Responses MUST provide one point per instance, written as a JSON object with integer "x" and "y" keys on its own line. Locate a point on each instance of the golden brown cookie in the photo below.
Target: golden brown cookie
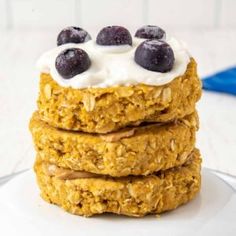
{"x": 131, "y": 151}
{"x": 86, "y": 195}
{"x": 102, "y": 110}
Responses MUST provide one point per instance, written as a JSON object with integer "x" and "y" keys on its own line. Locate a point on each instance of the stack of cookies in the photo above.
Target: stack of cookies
{"x": 116, "y": 123}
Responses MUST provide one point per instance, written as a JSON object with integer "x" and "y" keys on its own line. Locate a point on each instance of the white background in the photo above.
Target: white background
{"x": 29, "y": 27}
{"x": 35, "y": 14}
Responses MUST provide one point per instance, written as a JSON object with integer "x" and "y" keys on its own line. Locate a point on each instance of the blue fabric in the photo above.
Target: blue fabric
{"x": 224, "y": 81}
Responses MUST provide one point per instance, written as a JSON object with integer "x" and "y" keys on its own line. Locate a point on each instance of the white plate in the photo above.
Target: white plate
{"x": 23, "y": 212}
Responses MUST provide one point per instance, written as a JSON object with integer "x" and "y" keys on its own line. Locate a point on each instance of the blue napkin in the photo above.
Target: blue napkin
{"x": 224, "y": 81}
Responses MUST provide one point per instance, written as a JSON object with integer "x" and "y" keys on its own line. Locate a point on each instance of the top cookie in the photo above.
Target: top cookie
{"x": 116, "y": 82}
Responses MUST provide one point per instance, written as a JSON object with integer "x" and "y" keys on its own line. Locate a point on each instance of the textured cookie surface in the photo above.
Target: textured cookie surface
{"x": 102, "y": 110}
{"x": 132, "y": 196}
{"x": 131, "y": 151}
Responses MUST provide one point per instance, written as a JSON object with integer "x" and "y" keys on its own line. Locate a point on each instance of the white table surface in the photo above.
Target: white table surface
{"x": 214, "y": 50}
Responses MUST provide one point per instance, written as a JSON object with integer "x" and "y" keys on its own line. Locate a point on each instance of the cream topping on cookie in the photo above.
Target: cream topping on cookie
{"x": 114, "y": 66}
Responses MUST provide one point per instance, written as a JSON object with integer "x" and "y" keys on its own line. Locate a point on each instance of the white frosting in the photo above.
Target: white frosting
{"x": 114, "y": 65}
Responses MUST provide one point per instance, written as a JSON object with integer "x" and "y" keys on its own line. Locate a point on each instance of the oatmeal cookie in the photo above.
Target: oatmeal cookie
{"x": 87, "y": 195}
{"x": 132, "y": 151}
{"x": 103, "y": 110}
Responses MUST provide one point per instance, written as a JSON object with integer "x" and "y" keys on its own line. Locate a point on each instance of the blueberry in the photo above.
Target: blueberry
{"x": 72, "y": 35}
{"x": 114, "y": 35}
{"x": 150, "y": 32}
{"x": 71, "y": 62}
{"x": 155, "y": 55}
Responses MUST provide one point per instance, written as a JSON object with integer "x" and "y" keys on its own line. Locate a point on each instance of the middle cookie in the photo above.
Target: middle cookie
{"x": 131, "y": 151}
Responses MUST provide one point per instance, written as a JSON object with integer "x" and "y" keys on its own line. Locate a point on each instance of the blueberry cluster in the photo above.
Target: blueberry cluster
{"x": 153, "y": 54}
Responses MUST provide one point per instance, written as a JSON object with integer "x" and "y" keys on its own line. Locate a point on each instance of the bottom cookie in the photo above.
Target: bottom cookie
{"x": 88, "y": 194}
